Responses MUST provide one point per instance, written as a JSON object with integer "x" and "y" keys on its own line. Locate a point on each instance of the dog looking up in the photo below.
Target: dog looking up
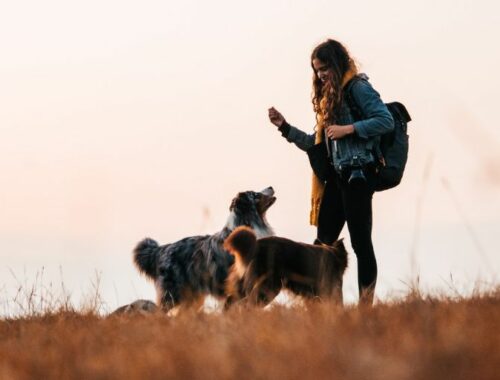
{"x": 191, "y": 268}
{"x": 262, "y": 267}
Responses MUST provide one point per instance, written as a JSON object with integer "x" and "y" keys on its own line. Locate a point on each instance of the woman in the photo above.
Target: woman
{"x": 350, "y": 117}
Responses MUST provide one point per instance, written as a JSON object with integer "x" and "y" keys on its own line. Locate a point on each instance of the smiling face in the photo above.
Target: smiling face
{"x": 322, "y": 71}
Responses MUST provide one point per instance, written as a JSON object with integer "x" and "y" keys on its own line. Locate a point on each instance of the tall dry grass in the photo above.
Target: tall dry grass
{"x": 33, "y": 298}
{"x": 415, "y": 337}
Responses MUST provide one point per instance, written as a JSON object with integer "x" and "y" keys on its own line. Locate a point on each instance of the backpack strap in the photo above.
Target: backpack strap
{"x": 357, "y": 111}
{"x": 347, "y": 95}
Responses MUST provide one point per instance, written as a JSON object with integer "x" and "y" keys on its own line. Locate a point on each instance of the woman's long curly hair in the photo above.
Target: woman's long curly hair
{"x": 326, "y": 97}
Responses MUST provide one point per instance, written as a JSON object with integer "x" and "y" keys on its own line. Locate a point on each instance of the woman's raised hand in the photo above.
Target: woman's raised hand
{"x": 275, "y": 117}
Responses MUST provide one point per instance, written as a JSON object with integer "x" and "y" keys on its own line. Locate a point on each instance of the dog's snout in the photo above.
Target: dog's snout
{"x": 269, "y": 191}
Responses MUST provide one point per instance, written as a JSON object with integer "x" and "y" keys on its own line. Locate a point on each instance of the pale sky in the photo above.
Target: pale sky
{"x": 123, "y": 119}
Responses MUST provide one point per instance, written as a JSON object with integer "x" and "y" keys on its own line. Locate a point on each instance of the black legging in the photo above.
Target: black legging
{"x": 342, "y": 202}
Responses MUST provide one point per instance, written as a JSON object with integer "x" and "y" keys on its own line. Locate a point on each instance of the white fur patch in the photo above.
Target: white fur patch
{"x": 231, "y": 221}
{"x": 260, "y": 232}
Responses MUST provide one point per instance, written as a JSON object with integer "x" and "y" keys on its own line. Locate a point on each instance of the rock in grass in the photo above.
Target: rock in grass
{"x": 139, "y": 306}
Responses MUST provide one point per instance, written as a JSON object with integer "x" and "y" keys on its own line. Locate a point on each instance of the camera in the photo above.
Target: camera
{"x": 357, "y": 177}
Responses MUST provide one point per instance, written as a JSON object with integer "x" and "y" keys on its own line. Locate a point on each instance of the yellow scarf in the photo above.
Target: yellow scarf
{"x": 318, "y": 186}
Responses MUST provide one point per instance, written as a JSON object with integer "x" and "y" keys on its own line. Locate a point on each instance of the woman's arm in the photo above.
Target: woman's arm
{"x": 292, "y": 134}
{"x": 377, "y": 119}
{"x": 301, "y": 139}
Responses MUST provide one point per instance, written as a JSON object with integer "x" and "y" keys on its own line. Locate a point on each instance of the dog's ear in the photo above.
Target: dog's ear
{"x": 339, "y": 244}
{"x": 242, "y": 202}
{"x": 336, "y": 244}
{"x": 320, "y": 243}
{"x": 236, "y": 200}
{"x": 340, "y": 253}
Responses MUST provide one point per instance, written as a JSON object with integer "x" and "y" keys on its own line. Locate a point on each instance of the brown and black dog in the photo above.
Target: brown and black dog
{"x": 264, "y": 266}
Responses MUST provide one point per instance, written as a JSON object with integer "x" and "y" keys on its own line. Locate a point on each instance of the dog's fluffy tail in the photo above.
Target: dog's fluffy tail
{"x": 340, "y": 254}
{"x": 241, "y": 243}
{"x": 145, "y": 255}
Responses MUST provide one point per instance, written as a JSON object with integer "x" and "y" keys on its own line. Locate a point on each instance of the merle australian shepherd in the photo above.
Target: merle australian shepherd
{"x": 264, "y": 266}
{"x": 189, "y": 269}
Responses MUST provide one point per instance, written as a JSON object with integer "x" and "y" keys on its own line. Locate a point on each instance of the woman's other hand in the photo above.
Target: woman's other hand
{"x": 275, "y": 117}
{"x": 336, "y": 132}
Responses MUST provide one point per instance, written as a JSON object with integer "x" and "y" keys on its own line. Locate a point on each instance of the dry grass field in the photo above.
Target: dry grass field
{"x": 417, "y": 337}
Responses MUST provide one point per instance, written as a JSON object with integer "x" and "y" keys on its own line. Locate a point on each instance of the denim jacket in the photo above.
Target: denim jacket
{"x": 364, "y": 142}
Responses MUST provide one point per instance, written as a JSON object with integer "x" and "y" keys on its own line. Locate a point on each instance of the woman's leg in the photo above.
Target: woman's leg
{"x": 331, "y": 218}
{"x": 358, "y": 210}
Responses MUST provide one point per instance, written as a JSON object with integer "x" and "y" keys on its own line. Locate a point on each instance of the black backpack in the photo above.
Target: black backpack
{"x": 393, "y": 148}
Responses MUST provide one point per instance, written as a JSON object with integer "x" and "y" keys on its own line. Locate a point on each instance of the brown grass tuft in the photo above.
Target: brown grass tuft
{"x": 415, "y": 337}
